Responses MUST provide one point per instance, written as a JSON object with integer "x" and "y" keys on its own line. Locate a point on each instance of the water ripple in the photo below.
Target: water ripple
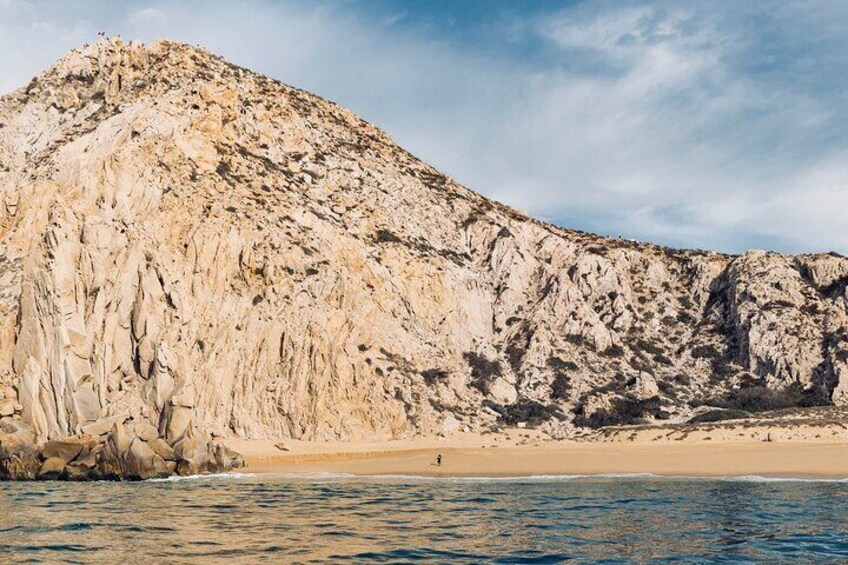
{"x": 322, "y": 518}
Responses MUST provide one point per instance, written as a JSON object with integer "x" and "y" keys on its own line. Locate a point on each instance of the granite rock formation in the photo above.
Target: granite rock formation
{"x": 190, "y": 251}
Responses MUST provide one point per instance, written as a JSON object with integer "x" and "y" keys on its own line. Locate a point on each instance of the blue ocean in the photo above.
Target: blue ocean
{"x": 344, "y": 519}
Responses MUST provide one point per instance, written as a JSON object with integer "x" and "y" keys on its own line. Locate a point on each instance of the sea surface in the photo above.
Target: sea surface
{"x": 337, "y": 519}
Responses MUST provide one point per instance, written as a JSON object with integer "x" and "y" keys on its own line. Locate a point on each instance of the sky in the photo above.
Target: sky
{"x": 713, "y": 124}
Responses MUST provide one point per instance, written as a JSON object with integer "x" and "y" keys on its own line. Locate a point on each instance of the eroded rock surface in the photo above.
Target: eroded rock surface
{"x": 190, "y": 251}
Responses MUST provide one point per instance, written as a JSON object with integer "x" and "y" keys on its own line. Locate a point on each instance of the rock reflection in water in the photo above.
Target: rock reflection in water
{"x": 296, "y": 520}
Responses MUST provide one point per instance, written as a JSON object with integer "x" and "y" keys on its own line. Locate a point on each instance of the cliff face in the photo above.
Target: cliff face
{"x": 191, "y": 250}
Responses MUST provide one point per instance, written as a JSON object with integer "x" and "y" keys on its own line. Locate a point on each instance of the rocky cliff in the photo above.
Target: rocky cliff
{"x": 192, "y": 251}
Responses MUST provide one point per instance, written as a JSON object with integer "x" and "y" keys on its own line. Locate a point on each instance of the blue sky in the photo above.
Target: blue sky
{"x": 712, "y": 124}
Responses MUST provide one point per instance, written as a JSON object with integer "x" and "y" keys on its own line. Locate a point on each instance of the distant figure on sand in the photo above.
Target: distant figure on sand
{"x": 439, "y": 459}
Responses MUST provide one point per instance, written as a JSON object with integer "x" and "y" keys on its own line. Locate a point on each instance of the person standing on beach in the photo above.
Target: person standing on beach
{"x": 439, "y": 459}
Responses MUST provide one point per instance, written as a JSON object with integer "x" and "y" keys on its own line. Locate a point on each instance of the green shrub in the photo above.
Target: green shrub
{"x": 385, "y": 236}
{"x": 575, "y": 339}
{"x": 705, "y": 352}
{"x": 483, "y": 370}
{"x": 613, "y": 351}
{"x": 759, "y": 398}
{"x": 433, "y": 376}
{"x": 667, "y": 388}
{"x": 682, "y": 379}
{"x": 685, "y": 318}
{"x": 647, "y": 346}
{"x": 722, "y": 368}
{"x": 561, "y": 387}
{"x": 624, "y": 411}
{"x": 558, "y": 364}
{"x": 529, "y": 411}
{"x": 719, "y": 415}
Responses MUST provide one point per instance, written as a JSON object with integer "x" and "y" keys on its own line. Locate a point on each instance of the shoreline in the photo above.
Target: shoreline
{"x": 464, "y": 459}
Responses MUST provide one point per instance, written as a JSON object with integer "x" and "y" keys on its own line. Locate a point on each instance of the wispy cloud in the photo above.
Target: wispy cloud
{"x": 148, "y": 15}
{"x": 710, "y": 124}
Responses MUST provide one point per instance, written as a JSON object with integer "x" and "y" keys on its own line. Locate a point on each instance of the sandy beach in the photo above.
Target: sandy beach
{"x": 714, "y": 451}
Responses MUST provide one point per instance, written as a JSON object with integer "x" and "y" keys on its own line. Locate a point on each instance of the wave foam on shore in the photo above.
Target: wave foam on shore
{"x": 327, "y": 476}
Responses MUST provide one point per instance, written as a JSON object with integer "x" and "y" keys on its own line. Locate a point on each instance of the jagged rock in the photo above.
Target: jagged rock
{"x": 162, "y": 449}
{"x": 195, "y": 248}
{"x": 52, "y": 468}
{"x": 87, "y": 459}
{"x": 225, "y": 458}
{"x": 18, "y": 454}
{"x": 143, "y": 463}
{"x": 104, "y": 425}
{"x": 67, "y": 449}
{"x": 21, "y": 464}
{"x": 503, "y": 392}
{"x": 119, "y": 440}
{"x": 146, "y": 431}
{"x": 8, "y": 407}
{"x": 73, "y": 458}
{"x": 450, "y": 425}
{"x": 645, "y": 386}
{"x": 192, "y": 453}
{"x": 178, "y": 420}
{"x": 597, "y": 403}
{"x": 16, "y": 433}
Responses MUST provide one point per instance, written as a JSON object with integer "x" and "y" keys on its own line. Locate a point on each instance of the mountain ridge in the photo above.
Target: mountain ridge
{"x": 192, "y": 251}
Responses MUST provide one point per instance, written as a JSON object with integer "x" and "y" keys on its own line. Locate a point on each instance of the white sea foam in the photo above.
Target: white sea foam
{"x": 209, "y": 477}
{"x": 522, "y": 478}
{"x": 760, "y": 479}
{"x": 326, "y": 476}
{"x": 238, "y": 476}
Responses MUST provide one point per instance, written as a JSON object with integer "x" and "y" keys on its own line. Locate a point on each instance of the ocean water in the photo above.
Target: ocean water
{"x": 332, "y": 519}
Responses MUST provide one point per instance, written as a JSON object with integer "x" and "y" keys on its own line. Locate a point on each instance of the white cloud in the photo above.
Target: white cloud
{"x": 148, "y": 15}
{"x": 694, "y": 123}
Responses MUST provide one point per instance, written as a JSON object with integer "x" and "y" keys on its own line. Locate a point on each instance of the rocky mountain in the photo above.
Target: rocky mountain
{"x": 191, "y": 251}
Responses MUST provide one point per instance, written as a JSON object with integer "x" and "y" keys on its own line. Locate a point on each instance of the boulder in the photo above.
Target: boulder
{"x": 104, "y": 425}
{"x": 178, "y": 421}
{"x": 66, "y": 449}
{"x": 53, "y": 468}
{"x": 645, "y": 386}
{"x": 110, "y": 463}
{"x": 193, "y": 454}
{"x": 120, "y": 440}
{"x": 450, "y": 425}
{"x": 87, "y": 459}
{"x": 18, "y": 460}
{"x": 162, "y": 449}
{"x": 19, "y": 466}
{"x": 8, "y": 407}
{"x": 9, "y": 392}
{"x": 503, "y": 392}
{"x": 225, "y": 458}
{"x": 143, "y": 463}
{"x": 87, "y": 403}
{"x": 145, "y": 430}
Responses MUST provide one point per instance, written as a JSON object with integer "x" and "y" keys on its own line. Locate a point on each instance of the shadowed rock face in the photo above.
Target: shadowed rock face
{"x": 190, "y": 251}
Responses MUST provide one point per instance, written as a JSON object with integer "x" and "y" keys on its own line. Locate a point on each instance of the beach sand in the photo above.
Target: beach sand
{"x": 710, "y": 451}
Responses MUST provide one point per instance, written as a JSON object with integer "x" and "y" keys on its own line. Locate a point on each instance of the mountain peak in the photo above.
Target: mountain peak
{"x": 115, "y": 71}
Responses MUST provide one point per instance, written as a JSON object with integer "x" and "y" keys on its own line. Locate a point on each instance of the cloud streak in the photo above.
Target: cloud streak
{"x": 707, "y": 124}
